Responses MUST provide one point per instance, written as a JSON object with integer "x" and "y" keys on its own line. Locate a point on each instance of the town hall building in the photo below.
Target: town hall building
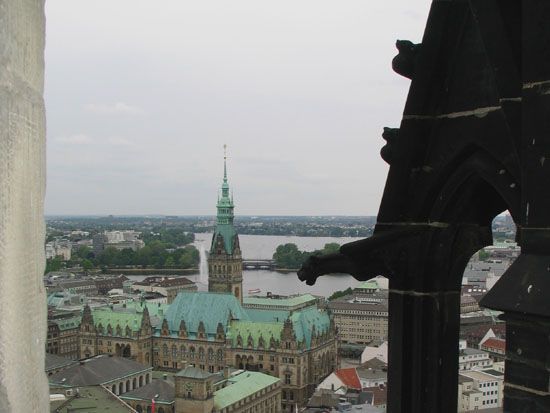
{"x": 290, "y": 338}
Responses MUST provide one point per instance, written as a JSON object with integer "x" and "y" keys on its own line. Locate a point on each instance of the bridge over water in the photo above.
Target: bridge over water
{"x": 258, "y": 264}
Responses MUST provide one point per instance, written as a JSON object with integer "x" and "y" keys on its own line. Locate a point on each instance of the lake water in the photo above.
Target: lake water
{"x": 263, "y": 247}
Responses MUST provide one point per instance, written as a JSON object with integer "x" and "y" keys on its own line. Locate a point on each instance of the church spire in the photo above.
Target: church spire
{"x": 224, "y": 163}
{"x": 224, "y": 218}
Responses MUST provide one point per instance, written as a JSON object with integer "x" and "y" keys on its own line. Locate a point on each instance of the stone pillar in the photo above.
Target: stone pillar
{"x": 23, "y": 384}
{"x": 522, "y": 292}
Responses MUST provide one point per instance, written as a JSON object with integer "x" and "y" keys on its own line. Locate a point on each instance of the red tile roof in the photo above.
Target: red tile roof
{"x": 495, "y": 343}
{"x": 349, "y": 378}
{"x": 379, "y": 394}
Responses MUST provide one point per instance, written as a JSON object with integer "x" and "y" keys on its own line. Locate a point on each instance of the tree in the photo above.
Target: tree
{"x": 288, "y": 256}
{"x": 84, "y": 252}
{"x": 483, "y": 255}
{"x": 87, "y": 264}
{"x": 339, "y": 294}
{"x": 53, "y": 264}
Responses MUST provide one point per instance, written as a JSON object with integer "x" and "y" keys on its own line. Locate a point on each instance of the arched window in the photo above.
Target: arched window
{"x": 182, "y": 352}
{"x": 134, "y": 383}
{"x": 128, "y": 385}
{"x": 201, "y": 354}
{"x": 174, "y": 352}
{"x": 220, "y": 354}
{"x": 113, "y": 388}
{"x": 210, "y": 355}
{"x": 120, "y": 389}
{"x": 147, "y": 378}
{"x": 191, "y": 353}
{"x": 165, "y": 350}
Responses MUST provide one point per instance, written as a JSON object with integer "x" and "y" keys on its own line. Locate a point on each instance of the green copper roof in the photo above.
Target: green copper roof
{"x": 255, "y": 330}
{"x": 241, "y": 386}
{"x": 68, "y": 323}
{"x": 115, "y": 318}
{"x": 267, "y": 316}
{"x": 280, "y": 302}
{"x": 267, "y": 323}
{"x": 210, "y": 308}
{"x": 130, "y": 315}
{"x": 304, "y": 320}
{"x": 368, "y": 285}
{"x": 224, "y": 221}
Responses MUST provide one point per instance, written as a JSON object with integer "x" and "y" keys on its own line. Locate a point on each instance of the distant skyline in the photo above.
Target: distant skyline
{"x": 141, "y": 96}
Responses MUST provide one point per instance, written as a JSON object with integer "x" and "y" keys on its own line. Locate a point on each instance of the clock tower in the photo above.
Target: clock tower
{"x": 225, "y": 265}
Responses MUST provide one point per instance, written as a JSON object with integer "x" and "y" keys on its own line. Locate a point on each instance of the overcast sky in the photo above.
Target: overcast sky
{"x": 142, "y": 95}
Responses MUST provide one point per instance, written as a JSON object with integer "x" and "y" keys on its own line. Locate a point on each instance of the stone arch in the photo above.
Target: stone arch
{"x": 134, "y": 383}
{"x": 113, "y": 388}
{"x": 120, "y": 388}
{"x": 127, "y": 351}
{"x": 128, "y": 388}
{"x": 239, "y": 362}
{"x": 140, "y": 381}
{"x": 147, "y": 378}
{"x": 147, "y": 358}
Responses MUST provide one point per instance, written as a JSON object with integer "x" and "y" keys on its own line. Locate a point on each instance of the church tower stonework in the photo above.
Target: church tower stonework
{"x": 225, "y": 265}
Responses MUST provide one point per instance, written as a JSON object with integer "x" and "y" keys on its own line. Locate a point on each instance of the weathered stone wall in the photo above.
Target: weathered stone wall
{"x": 23, "y": 384}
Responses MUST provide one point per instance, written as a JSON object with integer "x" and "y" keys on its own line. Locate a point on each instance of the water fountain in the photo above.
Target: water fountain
{"x": 203, "y": 267}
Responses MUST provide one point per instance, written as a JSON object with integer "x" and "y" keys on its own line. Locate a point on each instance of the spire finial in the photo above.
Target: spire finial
{"x": 225, "y": 163}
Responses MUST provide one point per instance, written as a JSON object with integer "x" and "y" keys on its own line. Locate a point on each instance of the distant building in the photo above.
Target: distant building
{"x": 86, "y": 399}
{"x": 118, "y": 375}
{"x": 354, "y": 378}
{"x": 496, "y": 347}
{"x": 56, "y": 363}
{"x": 376, "y": 349}
{"x": 193, "y": 390}
{"x": 58, "y": 248}
{"x": 63, "y": 335}
{"x": 361, "y": 316}
{"x": 85, "y": 287}
{"x": 470, "y": 358}
{"x": 478, "y": 390}
{"x": 468, "y": 304}
{"x": 117, "y": 239}
{"x": 274, "y": 302}
{"x": 106, "y": 284}
{"x": 169, "y": 287}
